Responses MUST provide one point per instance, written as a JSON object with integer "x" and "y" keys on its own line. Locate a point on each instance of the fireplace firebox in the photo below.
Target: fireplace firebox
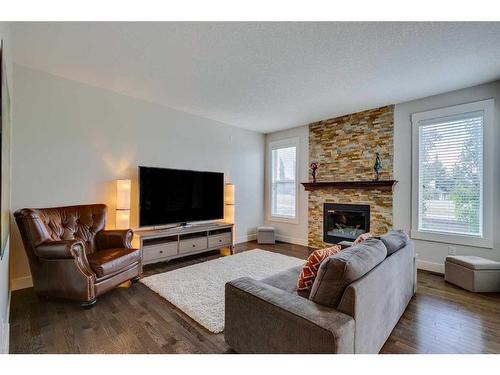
{"x": 345, "y": 222}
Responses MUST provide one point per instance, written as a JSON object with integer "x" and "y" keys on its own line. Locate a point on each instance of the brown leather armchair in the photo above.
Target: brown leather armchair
{"x": 72, "y": 256}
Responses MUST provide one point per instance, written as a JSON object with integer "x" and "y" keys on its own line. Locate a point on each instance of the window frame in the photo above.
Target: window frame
{"x": 274, "y": 145}
{"x": 486, "y": 240}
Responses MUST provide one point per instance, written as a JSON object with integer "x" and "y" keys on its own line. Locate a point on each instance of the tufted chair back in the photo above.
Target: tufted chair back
{"x": 72, "y": 256}
{"x": 63, "y": 223}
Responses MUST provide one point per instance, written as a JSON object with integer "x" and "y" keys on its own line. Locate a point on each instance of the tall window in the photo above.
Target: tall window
{"x": 450, "y": 183}
{"x": 283, "y": 197}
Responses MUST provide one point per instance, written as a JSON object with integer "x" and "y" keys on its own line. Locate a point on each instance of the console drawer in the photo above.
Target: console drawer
{"x": 192, "y": 244}
{"x": 219, "y": 240}
{"x": 152, "y": 252}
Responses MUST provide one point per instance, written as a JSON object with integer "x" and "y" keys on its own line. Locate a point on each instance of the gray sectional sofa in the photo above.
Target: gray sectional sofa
{"x": 355, "y": 302}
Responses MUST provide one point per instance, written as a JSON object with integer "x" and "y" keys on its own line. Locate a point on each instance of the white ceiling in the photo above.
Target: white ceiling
{"x": 265, "y": 76}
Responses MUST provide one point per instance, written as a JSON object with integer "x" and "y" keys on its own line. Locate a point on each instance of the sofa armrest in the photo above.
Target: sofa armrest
{"x": 117, "y": 238}
{"x": 263, "y": 319}
{"x": 378, "y": 299}
{"x": 63, "y": 249}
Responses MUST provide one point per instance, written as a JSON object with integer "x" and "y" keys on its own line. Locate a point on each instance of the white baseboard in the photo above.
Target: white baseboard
{"x": 5, "y": 333}
{"x": 430, "y": 266}
{"x": 5, "y": 329}
{"x": 21, "y": 283}
{"x": 247, "y": 238}
{"x": 27, "y": 282}
{"x": 293, "y": 240}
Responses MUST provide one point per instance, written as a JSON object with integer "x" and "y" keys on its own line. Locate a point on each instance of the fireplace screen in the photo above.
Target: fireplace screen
{"x": 345, "y": 222}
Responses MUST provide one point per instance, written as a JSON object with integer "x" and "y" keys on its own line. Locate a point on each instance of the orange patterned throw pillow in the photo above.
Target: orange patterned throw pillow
{"x": 310, "y": 270}
{"x": 362, "y": 238}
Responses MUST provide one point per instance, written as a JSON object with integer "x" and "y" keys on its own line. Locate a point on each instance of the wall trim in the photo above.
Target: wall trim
{"x": 430, "y": 266}
{"x": 5, "y": 328}
{"x": 292, "y": 240}
{"x": 21, "y": 283}
{"x": 26, "y": 281}
{"x": 5, "y": 339}
{"x": 247, "y": 238}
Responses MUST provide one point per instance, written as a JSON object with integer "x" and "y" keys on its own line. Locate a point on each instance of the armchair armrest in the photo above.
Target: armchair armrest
{"x": 117, "y": 238}
{"x": 263, "y": 319}
{"x": 66, "y": 264}
{"x": 64, "y": 249}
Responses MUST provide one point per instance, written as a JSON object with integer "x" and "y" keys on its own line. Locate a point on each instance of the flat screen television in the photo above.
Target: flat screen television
{"x": 172, "y": 196}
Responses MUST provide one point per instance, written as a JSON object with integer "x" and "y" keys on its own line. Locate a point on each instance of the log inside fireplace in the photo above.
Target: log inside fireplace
{"x": 345, "y": 222}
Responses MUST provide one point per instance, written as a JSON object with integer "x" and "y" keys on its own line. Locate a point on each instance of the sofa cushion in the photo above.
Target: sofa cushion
{"x": 338, "y": 271}
{"x": 286, "y": 280}
{"x": 109, "y": 261}
{"x": 310, "y": 269}
{"x": 394, "y": 240}
{"x": 362, "y": 237}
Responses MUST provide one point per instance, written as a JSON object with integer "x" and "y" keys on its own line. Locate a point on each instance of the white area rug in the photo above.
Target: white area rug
{"x": 198, "y": 290}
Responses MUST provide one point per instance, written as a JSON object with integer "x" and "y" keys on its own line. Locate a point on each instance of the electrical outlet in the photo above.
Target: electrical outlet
{"x": 452, "y": 250}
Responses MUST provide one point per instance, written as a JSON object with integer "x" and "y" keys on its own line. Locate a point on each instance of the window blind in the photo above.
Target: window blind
{"x": 451, "y": 174}
{"x": 283, "y": 194}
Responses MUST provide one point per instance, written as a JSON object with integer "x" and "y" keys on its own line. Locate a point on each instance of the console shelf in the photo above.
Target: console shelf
{"x": 160, "y": 245}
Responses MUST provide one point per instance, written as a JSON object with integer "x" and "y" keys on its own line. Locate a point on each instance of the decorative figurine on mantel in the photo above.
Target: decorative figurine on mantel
{"x": 377, "y": 166}
{"x": 314, "y": 166}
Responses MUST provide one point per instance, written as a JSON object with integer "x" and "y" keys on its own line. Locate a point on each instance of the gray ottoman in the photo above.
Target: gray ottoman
{"x": 473, "y": 273}
{"x": 265, "y": 235}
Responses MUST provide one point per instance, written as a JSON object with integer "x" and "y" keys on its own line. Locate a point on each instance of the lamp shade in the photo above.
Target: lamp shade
{"x": 229, "y": 213}
{"x": 229, "y": 194}
{"x": 123, "y": 194}
{"x": 122, "y": 219}
{"x": 229, "y": 203}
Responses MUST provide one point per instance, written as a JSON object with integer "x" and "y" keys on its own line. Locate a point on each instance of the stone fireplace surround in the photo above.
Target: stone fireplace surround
{"x": 345, "y": 147}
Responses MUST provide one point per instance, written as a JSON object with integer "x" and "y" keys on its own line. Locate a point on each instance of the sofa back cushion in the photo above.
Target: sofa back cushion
{"x": 338, "y": 271}
{"x": 362, "y": 237}
{"x": 310, "y": 269}
{"x": 395, "y": 240}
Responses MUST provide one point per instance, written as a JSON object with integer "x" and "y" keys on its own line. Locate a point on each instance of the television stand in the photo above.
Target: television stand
{"x": 160, "y": 245}
{"x": 185, "y": 225}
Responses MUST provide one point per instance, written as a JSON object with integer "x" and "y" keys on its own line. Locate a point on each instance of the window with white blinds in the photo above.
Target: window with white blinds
{"x": 283, "y": 197}
{"x": 450, "y": 174}
{"x": 452, "y": 184}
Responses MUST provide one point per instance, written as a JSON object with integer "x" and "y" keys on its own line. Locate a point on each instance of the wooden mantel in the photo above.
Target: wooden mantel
{"x": 365, "y": 185}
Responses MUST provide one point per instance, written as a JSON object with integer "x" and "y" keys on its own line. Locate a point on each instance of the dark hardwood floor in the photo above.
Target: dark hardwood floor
{"x": 441, "y": 318}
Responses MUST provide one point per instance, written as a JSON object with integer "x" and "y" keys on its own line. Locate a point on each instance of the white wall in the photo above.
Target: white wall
{"x": 71, "y": 141}
{"x": 290, "y": 232}
{"x": 431, "y": 255}
{"x": 4, "y": 262}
